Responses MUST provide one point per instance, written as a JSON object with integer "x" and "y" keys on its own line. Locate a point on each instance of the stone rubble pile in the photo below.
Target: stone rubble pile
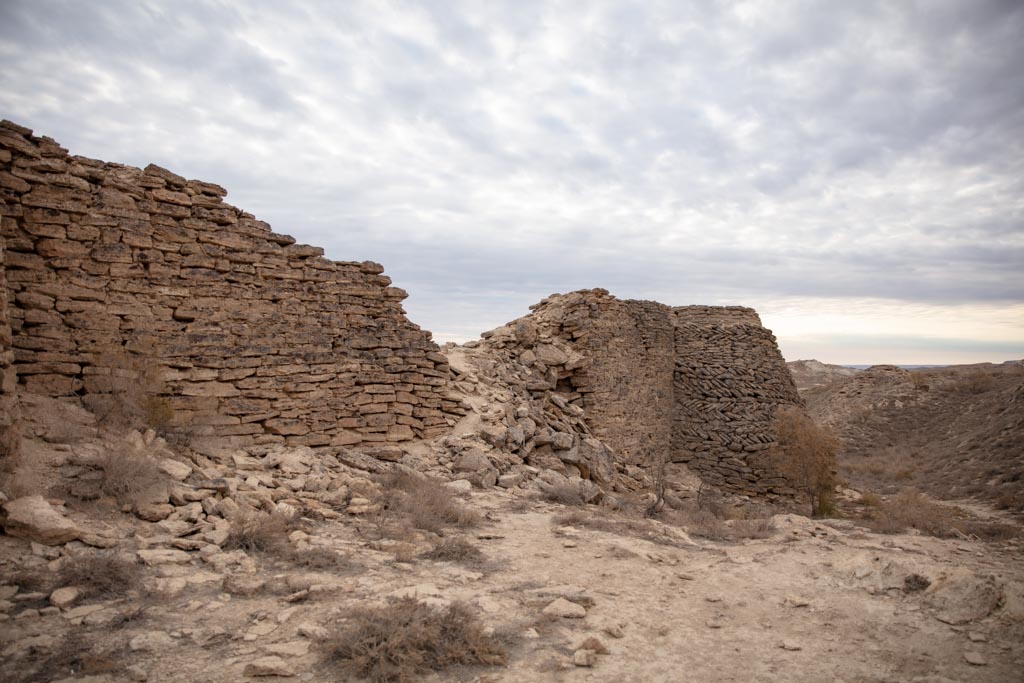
{"x": 518, "y": 430}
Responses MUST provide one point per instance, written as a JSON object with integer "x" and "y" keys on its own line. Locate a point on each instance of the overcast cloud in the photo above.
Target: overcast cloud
{"x": 854, "y": 170}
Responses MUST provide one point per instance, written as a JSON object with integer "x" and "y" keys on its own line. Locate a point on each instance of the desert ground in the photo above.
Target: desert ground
{"x": 524, "y": 584}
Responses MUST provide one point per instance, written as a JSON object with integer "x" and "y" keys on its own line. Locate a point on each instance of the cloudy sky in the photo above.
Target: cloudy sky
{"x": 853, "y": 170}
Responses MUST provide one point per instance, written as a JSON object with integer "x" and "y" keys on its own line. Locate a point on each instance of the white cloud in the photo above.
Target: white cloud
{"x": 492, "y": 153}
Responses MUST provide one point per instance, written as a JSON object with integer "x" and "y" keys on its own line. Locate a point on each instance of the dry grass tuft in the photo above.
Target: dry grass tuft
{"x": 603, "y": 519}
{"x": 455, "y": 549}
{"x": 1010, "y": 501}
{"x": 128, "y": 475}
{"x": 74, "y": 654}
{"x": 751, "y": 528}
{"x": 425, "y": 502}
{"x": 871, "y": 500}
{"x": 406, "y": 638}
{"x": 321, "y": 559}
{"x": 262, "y": 532}
{"x": 702, "y": 524}
{"x": 102, "y": 575}
{"x": 971, "y": 382}
{"x": 911, "y": 509}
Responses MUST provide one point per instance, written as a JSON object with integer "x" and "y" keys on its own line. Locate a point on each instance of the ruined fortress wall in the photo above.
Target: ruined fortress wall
{"x": 626, "y": 376}
{"x": 696, "y": 384}
{"x": 254, "y": 336}
{"x": 729, "y": 379}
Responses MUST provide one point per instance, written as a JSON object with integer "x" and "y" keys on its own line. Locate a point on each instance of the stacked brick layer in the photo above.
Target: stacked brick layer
{"x": 256, "y": 337}
{"x": 729, "y": 379}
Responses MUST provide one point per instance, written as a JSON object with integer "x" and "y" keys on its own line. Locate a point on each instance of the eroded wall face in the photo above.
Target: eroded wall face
{"x": 729, "y": 380}
{"x": 626, "y": 382}
{"x": 253, "y": 335}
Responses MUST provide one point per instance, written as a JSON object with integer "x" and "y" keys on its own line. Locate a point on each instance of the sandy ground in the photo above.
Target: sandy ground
{"x": 815, "y": 602}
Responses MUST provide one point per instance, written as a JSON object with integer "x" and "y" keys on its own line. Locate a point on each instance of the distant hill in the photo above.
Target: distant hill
{"x": 814, "y": 373}
{"x": 956, "y": 431}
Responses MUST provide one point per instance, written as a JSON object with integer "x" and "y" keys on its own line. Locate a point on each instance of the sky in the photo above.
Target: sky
{"x": 852, "y": 170}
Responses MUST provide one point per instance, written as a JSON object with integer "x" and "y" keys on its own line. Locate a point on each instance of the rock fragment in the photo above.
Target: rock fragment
{"x": 565, "y": 609}
{"x": 33, "y": 518}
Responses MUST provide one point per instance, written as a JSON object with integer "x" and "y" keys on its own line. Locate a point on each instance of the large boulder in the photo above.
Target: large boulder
{"x": 33, "y": 518}
{"x": 962, "y": 596}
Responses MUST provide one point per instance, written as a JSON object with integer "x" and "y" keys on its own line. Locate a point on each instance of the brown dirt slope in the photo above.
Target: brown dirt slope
{"x": 813, "y": 373}
{"x": 954, "y": 432}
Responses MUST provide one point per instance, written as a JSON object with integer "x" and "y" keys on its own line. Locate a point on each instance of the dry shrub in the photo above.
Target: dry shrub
{"x": 871, "y": 500}
{"x": 262, "y": 532}
{"x": 971, "y": 382}
{"x": 703, "y": 524}
{"x": 426, "y": 502}
{"x": 406, "y": 638}
{"x": 1010, "y": 501}
{"x": 988, "y": 531}
{"x": 74, "y": 654}
{"x": 889, "y": 465}
{"x": 574, "y": 518}
{"x": 133, "y": 385}
{"x": 102, "y": 575}
{"x": 603, "y": 519}
{"x": 751, "y": 528}
{"x": 321, "y": 559}
{"x": 805, "y": 454}
{"x": 404, "y": 552}
{"x": 454, "y": 549}
{"x": 911, "y": 509}
{"x": 128, "y": 474}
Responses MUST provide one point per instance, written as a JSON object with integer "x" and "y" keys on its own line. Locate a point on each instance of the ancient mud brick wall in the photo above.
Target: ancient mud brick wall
{"x": 729, "y": 379}
{"x": 255, "y": 336}
{"x": 694, "y": 384}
